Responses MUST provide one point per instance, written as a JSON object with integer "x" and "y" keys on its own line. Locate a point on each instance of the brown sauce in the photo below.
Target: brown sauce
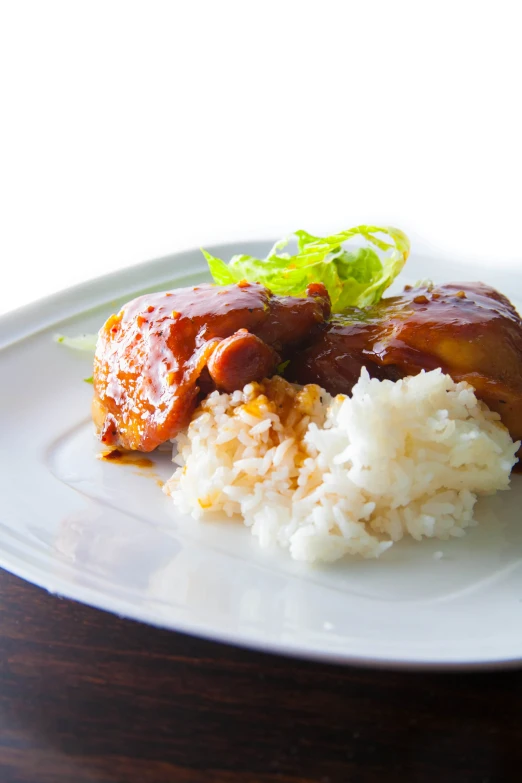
{"x": 126, "y": 458}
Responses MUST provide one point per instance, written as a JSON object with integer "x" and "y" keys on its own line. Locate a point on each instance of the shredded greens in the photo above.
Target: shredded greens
{"x": 82, "y": 342}
{"x": 282, "y": 367}
{"x": 354, "y": 276}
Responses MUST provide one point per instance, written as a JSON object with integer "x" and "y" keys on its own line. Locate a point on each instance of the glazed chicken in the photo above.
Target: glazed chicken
{"x": 469, "y": 330}
{"x": 161, "y": 352}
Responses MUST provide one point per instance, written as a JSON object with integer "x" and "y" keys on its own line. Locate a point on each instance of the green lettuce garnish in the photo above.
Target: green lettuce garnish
{"x": 354, "y": 276}
{"x": 82, "y": 342}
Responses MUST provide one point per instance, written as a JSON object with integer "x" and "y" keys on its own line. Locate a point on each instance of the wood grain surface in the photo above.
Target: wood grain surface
{"x": 85, "y": 696}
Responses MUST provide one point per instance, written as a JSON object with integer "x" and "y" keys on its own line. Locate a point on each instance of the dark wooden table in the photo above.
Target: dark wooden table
{"x": 85, "y": 696}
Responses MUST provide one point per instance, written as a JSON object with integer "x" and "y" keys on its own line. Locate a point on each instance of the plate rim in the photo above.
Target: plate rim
{"x": 293, "y": 651}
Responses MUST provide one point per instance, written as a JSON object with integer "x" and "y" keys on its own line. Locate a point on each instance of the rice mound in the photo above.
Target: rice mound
{"x": 326, "y": 477}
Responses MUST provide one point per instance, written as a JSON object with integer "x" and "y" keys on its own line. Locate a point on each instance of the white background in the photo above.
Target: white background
{"x": 133, "y": 129}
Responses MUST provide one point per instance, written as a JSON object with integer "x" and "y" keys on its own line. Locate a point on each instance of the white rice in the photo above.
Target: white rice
{"x": 325, "y": 477}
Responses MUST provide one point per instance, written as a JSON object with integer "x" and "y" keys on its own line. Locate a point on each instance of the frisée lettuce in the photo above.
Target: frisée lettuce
{"x": 355, "y": 276}
{"x": 82, "y": 342}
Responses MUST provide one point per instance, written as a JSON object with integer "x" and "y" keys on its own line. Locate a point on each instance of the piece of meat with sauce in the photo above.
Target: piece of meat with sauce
{"x": 155, "y": 357}
{"x": 469, "y": 330}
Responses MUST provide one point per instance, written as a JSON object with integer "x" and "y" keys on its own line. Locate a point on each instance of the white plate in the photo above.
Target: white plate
{"x": 105, "y": 534}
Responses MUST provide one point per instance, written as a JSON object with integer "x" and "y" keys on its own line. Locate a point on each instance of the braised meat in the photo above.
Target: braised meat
{"x": 469, "y": 330}
{"x": 162, "y": 352}
{"x": 155, "y": 357}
